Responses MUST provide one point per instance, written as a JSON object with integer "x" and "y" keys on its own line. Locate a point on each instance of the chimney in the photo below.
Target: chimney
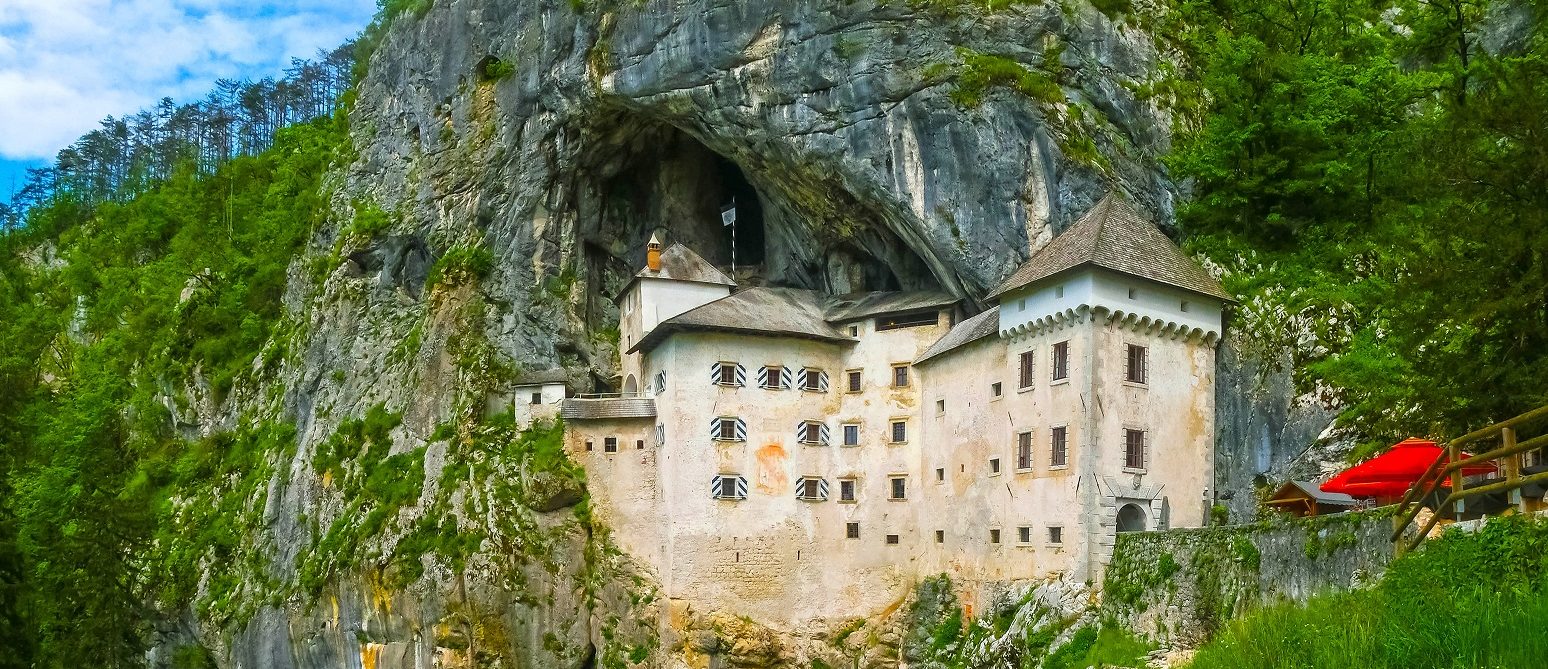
{"x": 653, "y": 253}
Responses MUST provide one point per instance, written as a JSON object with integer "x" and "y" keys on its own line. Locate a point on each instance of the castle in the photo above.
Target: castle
{"x": 789, "y": 455}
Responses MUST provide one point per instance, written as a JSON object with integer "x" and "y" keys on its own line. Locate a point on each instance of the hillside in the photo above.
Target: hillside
{"x": 244, "y": 401}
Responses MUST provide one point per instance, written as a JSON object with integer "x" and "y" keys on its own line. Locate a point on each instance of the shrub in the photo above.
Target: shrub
{"x": 982, "y": 72}
{"x": 460, "y": 265}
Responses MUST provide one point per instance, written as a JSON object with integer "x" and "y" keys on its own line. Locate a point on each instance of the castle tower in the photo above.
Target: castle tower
{"x": 674, "y": 280}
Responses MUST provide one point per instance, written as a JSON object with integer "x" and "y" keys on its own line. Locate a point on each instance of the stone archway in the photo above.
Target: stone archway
{"x": 631, "y": 387}
{"x": 1131, "y": 518}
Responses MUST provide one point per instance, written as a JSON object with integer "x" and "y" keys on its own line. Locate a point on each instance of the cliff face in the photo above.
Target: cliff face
{"x": 522, "y": 152}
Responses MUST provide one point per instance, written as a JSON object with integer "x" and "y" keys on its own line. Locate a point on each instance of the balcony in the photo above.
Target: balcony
{"x": 608, "y": 406}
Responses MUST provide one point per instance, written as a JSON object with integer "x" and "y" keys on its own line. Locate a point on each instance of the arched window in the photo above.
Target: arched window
{"x": 631, "y": 386}
{"x": 1131, "y": 518}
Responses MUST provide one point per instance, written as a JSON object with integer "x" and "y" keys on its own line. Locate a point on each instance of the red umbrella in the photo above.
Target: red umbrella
{"x": 1392, "y": 473}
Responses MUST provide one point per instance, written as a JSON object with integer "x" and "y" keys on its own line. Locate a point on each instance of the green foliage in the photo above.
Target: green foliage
{"x": 981, "y": 73}
{"x": 1466, "y": 600}
{"x": 460, "y": 265}
{"x": 1113, "y": 9}
{"x": 369, "y": 222}
{"x": 496, "y": 69}
{"x": 1106, "y": 646}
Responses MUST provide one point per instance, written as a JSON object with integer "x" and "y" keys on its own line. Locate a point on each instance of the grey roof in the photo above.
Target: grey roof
{"x": 1316, "y": 493}
{"x": 1114, "y": 236}
{"x": 790, "y": 312}
{"x": 966, "y": 332}
{"x": 607, "y": 408}
{"x": 679, "y": 263}
{"x": 864, "y": 305}
{"x": 542, "y": 377}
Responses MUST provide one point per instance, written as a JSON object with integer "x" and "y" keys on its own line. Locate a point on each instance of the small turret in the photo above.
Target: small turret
{"x": 653, "y": 253}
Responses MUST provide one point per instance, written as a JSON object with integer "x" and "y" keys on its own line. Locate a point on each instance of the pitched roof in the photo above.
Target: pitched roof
{"x": 679, "y": 263}
{"x": 864, "y": 305}
{"x": 1114, "y": 236}
{"x": 607, "y": 408}
{"x": 541, "y": 377}
{"x": 966, "y": 332}
{"x": 791, "y": 312}
{"x": 1315, "y": 492}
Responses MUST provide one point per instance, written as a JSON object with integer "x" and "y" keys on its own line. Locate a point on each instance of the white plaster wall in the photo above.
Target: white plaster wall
{"x": 625, "y": 486}
{"x": 525, "y": 412}
{"x": 1096, "y": 287}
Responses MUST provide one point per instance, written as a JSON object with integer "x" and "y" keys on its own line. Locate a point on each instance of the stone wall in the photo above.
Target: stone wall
{"x": 1179, "y": 586}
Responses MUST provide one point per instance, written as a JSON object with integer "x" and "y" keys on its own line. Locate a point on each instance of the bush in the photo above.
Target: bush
{"x": 982, "y": 72}
{"x": 460, "y": 265}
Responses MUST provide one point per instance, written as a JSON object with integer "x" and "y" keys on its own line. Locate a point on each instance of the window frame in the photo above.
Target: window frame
{"x": 995, "y": 467}
{"x": 1129, "y": 448}
{"x": 854, "y": 381}
{"x": 903, "y": 369}
{"x": 893, "y": 427}
{"x": 844, "y": 428}
{"x": 1129, "y": 376}
{"x": 895, "y": 491}
{"x": 1061, "y": 361}
{"x": 610, "y": 444}
{"x": 852, "y": 529}
{"x": 1055, "y": 535}
{"x": 1024, "y": 445}
{"x": 852, "y": 486}
{"x": 1024, "y": 535}
{"x": 994, "y": 536}
{"x": 996, "y": 390}
{"x": 1026, "y": 370}
{"x": 773, "y": 377}
{"x": 725, "y": 368}
{"x": 1058, "y": 443}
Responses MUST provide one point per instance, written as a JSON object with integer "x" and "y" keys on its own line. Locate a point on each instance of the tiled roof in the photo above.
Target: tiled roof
{"x": 1316, "y": 492}
{"x": 966, "y": 332}
{"x": 1114, "y": 236}
{"x": 679, "y": 263}
{"x": 864, "y": 305}
{"x": 607, "y": 408}
{"x": 790, "y": 312}
{"x": 542, "y": 377}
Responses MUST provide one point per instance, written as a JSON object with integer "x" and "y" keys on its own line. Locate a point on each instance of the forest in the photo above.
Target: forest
{"x": 1370, "y": 178}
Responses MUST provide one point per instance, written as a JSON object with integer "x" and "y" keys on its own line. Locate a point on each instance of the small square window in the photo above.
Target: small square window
{"x": 940, "y": 406}
{"x": 1056, "y": 535}
{"x": 610, "y": 445}
{"x": 1058, "y": 291}
{"x": 727, "y": 431}
{"x": 727, "y": 374}
{"x": 590, "y": 445}
{"x": 899, "y": 431}
{"x": 537, "y": 398}
{"x": 811, "y": 433}
{"x": 899, "y": 487}
{"x": 851, "y": 530}
{"x": 811, "y": 489}
{"x": 940, "y": 474}
{"x": 892, "y": 539}
{"x": 852, "y": 435}
{"x": 996, "y": 390}
{"x": 1132, "y": 293}
{"x": 854, "y": 330}
{"x": 812, "y": 380}
{"x": 900, "y": 376}
{"x": 639, "y": 444}
{"x": 772, "y": 377}
{"x": 854, "y": 380}
{"x": 940, "y": 536}
{"x": 994, "y": 536}
{"x": 846, "y": 490}
{"x": 994, "y": 466}
{"x": 1185, "y": 305}
{"x": 1024, "y": 535}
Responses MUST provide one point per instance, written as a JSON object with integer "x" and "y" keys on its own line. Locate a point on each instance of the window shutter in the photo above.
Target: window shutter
{"x": 1128, "y": 365}
{"x": 741, "y": 430}
{"x": 784, "y": 377}
{"x": 714, "y": 429}
{"x": 714, "y": 373}
{"x": 800, "y": 431}
{"x": 660, "y": 435}
{"x": 822, "y": 488}
{"x": 714, "y": 489}
{"x": 822, "y": 381}
{"x": 660, "y": 382}
{"x": 741, "y": 487}
{"x": 801, "y": 379}
{"x": 741, "y": 375}
{"x": 763, "y": 377}
{"x": 824, "y": 436}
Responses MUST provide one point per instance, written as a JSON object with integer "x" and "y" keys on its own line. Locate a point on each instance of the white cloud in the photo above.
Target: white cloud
{"x": 66, "y": 64}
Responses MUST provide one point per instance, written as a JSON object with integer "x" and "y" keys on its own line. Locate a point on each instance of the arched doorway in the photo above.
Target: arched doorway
{"x": 631, "y": 386}
{"x": 1131, "y": 518}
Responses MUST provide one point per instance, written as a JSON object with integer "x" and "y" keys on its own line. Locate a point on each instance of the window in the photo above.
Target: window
{"x": 537, "y": 398}
{"x": 854, "y": 330}
{"x": 660, "y": 435}
{"x": 899, "y": 487}
{"x": 728, "y": 374}
{"x": 812, "y": 432}
{"x": 940, "y": 536}
{"x": 728, "y": 486}
{"x": 1058, "y": 291}
{"x": 995, "y": 389}
{"x": 854, "y": 380}
{"x": 610, "y": 444}
{"x": 851, "y": 530}
{"x": 1021, "y": 304}
{"x": 1134, "y": 449}
{"x": 728, "y": 428}
{"x": 811, "y": 489}
{"x": 1028, "y": 363}
{"x": 1056, "y": 535}
{"x": 907, "y": 321}
{"x": 1132, "y": 293}
{"x": 852, "y": 434}
{"x": 940, "y": 474}
{"x": 1185, "y": 305}
{"x": 1024, "y": 451}
{"x": 590, "y": 445}
{"x": 899, "y": 431}
{"x": 940, "y": 406}
{"x": 1061, "y": 360}
{"x": 660, "y": 382}
{"x": 994, "y": 536}
{"x": 1136, "y": 364}
{"x": 639, "y": 444}
{"x": 846, "y": 490}
{"x": 773, "y": 377}
{"x": 900, "y": 376}
{"x": 1024, "y": 535}
{"x": 994, "y": 466}
{"x": 813, "y": 380}
{"x": 1058, "y": 447}
{"x": 892, "y": 539}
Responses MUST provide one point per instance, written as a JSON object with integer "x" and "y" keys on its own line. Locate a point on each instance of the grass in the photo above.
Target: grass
{"x": 1466, "y": 600}
{"x": 983, "y": 72}
{"x": 1093, "y": 647}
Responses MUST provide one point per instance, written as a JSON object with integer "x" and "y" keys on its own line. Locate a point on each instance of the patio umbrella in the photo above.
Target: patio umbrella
{"x": 1392, "y": 473}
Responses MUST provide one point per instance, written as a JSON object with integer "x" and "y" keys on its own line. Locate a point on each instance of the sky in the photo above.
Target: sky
{"x": 67, "y": 64}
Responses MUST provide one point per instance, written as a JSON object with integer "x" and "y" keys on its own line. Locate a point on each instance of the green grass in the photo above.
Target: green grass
{"x": 983, "y": 72}
{"x": 1093, "y": 647}
{"x": 1467, "y": 600}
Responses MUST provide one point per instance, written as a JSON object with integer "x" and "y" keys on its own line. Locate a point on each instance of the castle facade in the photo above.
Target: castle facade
{"x": 790, "y": 456}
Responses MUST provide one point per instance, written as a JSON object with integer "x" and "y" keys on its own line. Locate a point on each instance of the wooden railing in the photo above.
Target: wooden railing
{"x": 1450, "y": 468}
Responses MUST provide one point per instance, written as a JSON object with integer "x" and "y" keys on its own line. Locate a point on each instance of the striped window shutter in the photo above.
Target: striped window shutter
{"x": 714, "y": 487}
{"x": 763, "y": 377}
{"x": 741, "y": 430}
{"x": 741, "y": 375}
{"x": 660, "y": 435}
{"x": 714, "y": 373}
{"x": 784, "y": 377}
{"x": 714, "y": 429}
{"x": 801, "y": 379}
{"x": 823, "y": 435}
{"x": 822, "y": 381}
{"x": 822, "y": 488}
{"x": 660, "y": 382}
{"x": 801, "y": 432}
{"x": 741, "y": 487}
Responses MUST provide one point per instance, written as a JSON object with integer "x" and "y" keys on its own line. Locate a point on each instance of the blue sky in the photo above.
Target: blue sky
{"x": 66, "y": 64}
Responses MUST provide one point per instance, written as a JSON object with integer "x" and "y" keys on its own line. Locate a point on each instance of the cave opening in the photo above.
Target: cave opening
{"x": 743, "y": 238}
